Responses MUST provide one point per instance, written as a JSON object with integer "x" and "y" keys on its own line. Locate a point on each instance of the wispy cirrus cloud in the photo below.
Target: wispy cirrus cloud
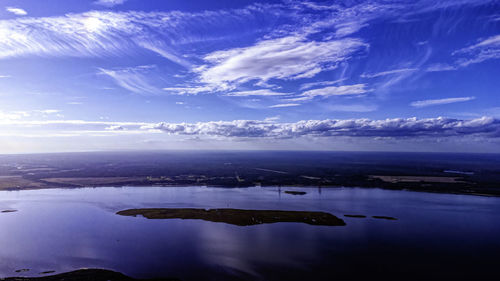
{"x": 16, "y": 11}
{"x": 109, "y": 3}
{"x": 261, "y": 92}
{"x": 352, "y": 107}
{"x": 48, "y": 111}
{"x": 194, "y": 90}
{"x": 284, "y": 105}
{"x": 388, "y": 72}
{"x": 348, "y": 28}
{"x": 485, "y": 49}
{"x": 437, "y": 67}
{"x": 13, "y": 115}
{"x": 345, "y": 90}
{"x": 21, "y": 121}
{"x": 115, "y": 128}
{"x": 88, "y": 34}
{"x": 135, "y": 79}
{"x": 424, "y": 103}
{"x": 320, "y": 83}
{"x": 163, "y": 50}
{"x": 107, "y": 33}
{"x": 18, "y": 115}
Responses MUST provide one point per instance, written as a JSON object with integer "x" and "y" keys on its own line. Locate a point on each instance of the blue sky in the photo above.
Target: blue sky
{"x": 342, "y": 75}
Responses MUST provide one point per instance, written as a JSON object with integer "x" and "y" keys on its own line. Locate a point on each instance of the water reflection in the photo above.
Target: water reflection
{"x": 63, "y": 230}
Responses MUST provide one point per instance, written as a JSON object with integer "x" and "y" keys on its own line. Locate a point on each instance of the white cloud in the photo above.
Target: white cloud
{"x": 16, "y": 11}
{"x": 396, "y": 128}
{"x": 485, "y": 127}
{"x": 109, "y": 3}
{"x": 389, "y": 72}
{"x": 289, "y": 57}
{"x": 261, "y": 92}
{"x": 284, "y": 105}
{"x": 424, "y": 103}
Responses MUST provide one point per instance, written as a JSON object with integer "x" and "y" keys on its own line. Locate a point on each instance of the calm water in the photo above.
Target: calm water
{"x": 436, "y": 235}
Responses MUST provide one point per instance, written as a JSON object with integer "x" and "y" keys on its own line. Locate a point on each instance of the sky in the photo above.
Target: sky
{"x": 388, "y": 75}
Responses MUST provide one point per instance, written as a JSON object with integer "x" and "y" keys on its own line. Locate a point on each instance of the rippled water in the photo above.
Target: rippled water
{"x": 435, "y": 236}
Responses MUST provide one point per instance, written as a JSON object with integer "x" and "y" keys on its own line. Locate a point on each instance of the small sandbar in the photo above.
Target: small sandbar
{"x": 355, "y": 216}
{"x": 238, "y": 217}
{"x": 295, "y": 192}
{"x": 384, "y": 218}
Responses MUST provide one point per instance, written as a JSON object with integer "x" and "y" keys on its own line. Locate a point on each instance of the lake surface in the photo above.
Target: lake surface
{"x": 435, "y": 236}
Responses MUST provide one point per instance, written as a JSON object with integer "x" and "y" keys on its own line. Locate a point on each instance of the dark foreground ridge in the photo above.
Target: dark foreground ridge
{"x": 238, "y": 216}
{"x": 84, "y": 275}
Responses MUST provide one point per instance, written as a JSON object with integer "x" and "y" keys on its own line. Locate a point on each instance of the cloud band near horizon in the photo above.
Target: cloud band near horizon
{"x": 486, "y": 127}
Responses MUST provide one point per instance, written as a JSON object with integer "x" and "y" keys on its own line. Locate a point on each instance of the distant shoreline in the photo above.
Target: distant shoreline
{"x": 472, "y": 174}
{"x": 249, "y": 186}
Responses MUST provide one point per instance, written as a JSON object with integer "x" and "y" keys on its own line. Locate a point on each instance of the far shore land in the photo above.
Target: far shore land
{"x": 451, "y": 185}
{"x": 474, "y": 174}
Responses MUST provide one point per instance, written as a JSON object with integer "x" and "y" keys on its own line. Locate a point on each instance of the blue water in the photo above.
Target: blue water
{"x": 436, "y": 236}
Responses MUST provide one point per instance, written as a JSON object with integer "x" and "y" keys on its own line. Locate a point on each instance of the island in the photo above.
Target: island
{"x": 238, "y": 217}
